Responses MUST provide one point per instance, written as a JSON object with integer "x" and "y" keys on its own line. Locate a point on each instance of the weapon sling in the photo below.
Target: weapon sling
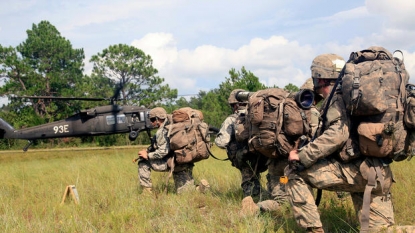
{"x": 324, "y": 119}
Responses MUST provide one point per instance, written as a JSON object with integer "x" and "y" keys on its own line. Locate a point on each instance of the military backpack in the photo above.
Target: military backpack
{"x": 373, "y": 89}
{"x": 274, "y": 122}
{"x": 189, "y": 137}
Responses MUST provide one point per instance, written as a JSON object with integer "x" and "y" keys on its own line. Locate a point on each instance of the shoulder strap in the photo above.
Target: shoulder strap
{"x": 402, "y": 91}
{"x": 375, "y": 174}
{"x": 326, "y": 107}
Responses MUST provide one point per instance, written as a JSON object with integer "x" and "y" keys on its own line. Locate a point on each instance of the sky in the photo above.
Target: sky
{"x": 194, "y": 43}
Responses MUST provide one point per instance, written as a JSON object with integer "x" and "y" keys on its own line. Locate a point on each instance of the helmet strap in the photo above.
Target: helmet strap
{"x": 327, "y": 82}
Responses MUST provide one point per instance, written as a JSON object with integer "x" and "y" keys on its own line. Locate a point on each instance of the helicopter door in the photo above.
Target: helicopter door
{"x": 116, "y": 123}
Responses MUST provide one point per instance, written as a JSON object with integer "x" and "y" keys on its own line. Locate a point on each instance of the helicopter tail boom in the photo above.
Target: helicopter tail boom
{"x": 6, "y": 130}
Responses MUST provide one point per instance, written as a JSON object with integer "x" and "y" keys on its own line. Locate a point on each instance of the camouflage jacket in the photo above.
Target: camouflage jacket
{"x": 334, "y": 136}
{"x": 314, "y": 120}
{"x": 226, "y": 132}
{"x": 162, "y": 145}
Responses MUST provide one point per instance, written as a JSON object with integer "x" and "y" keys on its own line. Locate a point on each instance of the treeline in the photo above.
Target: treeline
{"x": 46, "y": 64}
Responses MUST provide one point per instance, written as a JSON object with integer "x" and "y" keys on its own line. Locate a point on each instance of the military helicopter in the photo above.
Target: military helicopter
{"x": 100, "y": 120}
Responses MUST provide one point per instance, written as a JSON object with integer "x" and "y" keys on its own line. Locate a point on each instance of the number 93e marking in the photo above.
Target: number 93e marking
{"x": 61, "y": 129}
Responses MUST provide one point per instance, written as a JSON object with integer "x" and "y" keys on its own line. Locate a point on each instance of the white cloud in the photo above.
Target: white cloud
{"x": 337, "y": 17}
{"x": 194, "y": 44}
{"x": 397, "y": 14}
{"x": 275, "y": 61}
{"x": 409, "y": 60}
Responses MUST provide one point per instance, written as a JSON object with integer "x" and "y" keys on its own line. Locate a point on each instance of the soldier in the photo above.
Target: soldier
{"x": 161, "y": 159}
{"x": 248, "y": 164}
{"x": 318, "y": 164}
{"x": 276, "y": 169}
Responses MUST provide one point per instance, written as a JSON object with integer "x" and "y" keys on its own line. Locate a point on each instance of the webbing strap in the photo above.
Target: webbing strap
{"x": 280, "y": 114}
{"x": 356, "y": 85}
{"x": 402, "y": 91}
{"x": 375, "y": 174}
{"x": 171, "y": 164}
{"x": 364, "y": 218}
{"x": 305, "y": 122}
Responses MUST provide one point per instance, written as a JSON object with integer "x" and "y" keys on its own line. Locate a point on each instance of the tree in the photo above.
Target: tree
{"x": 134, "y": 71}
{"x": 97, "y": 87}
{"x": 242, "y": 79}
{"x": 214, "y": 103}
{"x": 45, "y": 64}
{"x": 291, "y": 88}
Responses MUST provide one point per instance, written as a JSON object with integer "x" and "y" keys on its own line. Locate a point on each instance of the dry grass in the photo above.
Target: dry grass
{"x": 111, "y": 200}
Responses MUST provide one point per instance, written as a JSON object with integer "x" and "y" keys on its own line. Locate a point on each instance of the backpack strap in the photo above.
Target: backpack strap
{"x": 402, "y": 91}
{"x": 169, "y": 125}
{"x": 356, "y": 93}
{"x": 323, "y": 116}
{"x": 306, "y": 124}
{"x": 374, "y": 175}
{"x": 171, "y": 164}
{"x": 280, "y": 114}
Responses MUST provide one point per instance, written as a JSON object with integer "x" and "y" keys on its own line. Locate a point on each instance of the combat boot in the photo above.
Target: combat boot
{"x": 314, "y": 230}
{"x": 249, "y": 208}
{"x": 399, "y": 229}
{"x": 203, "y": 187}
{"x": 269, "y": 205}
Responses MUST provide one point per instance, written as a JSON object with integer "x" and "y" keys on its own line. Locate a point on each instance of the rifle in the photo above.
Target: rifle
{"x": 294, "y": 165}
{"x": 329, "y": 98}
{"x": 150, "y": 148}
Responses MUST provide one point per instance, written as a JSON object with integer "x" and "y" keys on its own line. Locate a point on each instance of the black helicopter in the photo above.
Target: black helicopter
{"x": 101, "y": 120}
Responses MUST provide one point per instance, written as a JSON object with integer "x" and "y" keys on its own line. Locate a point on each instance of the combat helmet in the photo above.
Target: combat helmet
{"x": 308, "y": 84}
{"x": 326, "y": 66}
{"x": 158, "y": 112}
{"x": 232, "y": 97}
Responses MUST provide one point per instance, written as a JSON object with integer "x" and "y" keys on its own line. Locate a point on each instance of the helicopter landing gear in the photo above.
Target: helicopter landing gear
{"x": 29, "y": 142}
{"x": 132, "y": 135}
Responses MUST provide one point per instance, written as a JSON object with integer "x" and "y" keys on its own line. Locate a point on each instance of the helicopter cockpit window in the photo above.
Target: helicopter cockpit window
{"x": 143, "y": 115}
{"x": 121, "y": 119}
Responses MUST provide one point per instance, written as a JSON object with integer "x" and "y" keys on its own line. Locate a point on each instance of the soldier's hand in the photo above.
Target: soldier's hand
{"x": 293, "y": 156}
{"x": 143, "y": 154}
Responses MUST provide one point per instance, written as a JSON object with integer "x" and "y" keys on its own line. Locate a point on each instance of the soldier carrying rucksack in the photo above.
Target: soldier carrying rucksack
{"x": 162, "y": 159}
{"x": 250, "y": 165}
{"x": 361, "y": 165}
{"x": 299, "y": 121}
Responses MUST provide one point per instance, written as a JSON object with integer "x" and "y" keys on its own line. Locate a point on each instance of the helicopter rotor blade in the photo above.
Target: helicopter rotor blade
{"x": 61, "y": 98}
{"x": 117, "y": 92}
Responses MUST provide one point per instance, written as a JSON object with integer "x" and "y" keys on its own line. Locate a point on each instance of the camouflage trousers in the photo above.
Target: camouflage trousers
{"x": 251, "y": 169}
{"x": 250, "y": 183}
{"x": 275, "y": 188}
{"x": 334, "y": 176}
{"x": 182, "y": 174}
{"x": 275, "y": 171}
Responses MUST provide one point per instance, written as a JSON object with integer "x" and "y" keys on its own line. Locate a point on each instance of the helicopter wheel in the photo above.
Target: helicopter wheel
{"x": 133, "y": 135}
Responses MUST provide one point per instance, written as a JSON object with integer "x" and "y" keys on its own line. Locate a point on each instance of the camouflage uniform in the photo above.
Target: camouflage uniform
{"x": 276, "y": 166}
{"x": 275, "y": 188}
{"x": 248, "y": 164}
{"x": 158, "y": 160}
{"x": 325, "y": 170}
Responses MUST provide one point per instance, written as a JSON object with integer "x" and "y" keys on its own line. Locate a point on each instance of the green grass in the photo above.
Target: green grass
{"x": 33, "y": 184}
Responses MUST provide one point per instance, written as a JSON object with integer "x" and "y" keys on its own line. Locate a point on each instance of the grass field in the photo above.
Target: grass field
{"x": 33, "y": 184}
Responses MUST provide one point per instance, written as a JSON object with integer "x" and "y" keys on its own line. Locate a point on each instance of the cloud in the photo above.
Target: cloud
{"x": 275, "y": 61}
{"x": 336, "y": 18}
{"x": 195, "y": 44}
{"x": 397, "y": 14}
